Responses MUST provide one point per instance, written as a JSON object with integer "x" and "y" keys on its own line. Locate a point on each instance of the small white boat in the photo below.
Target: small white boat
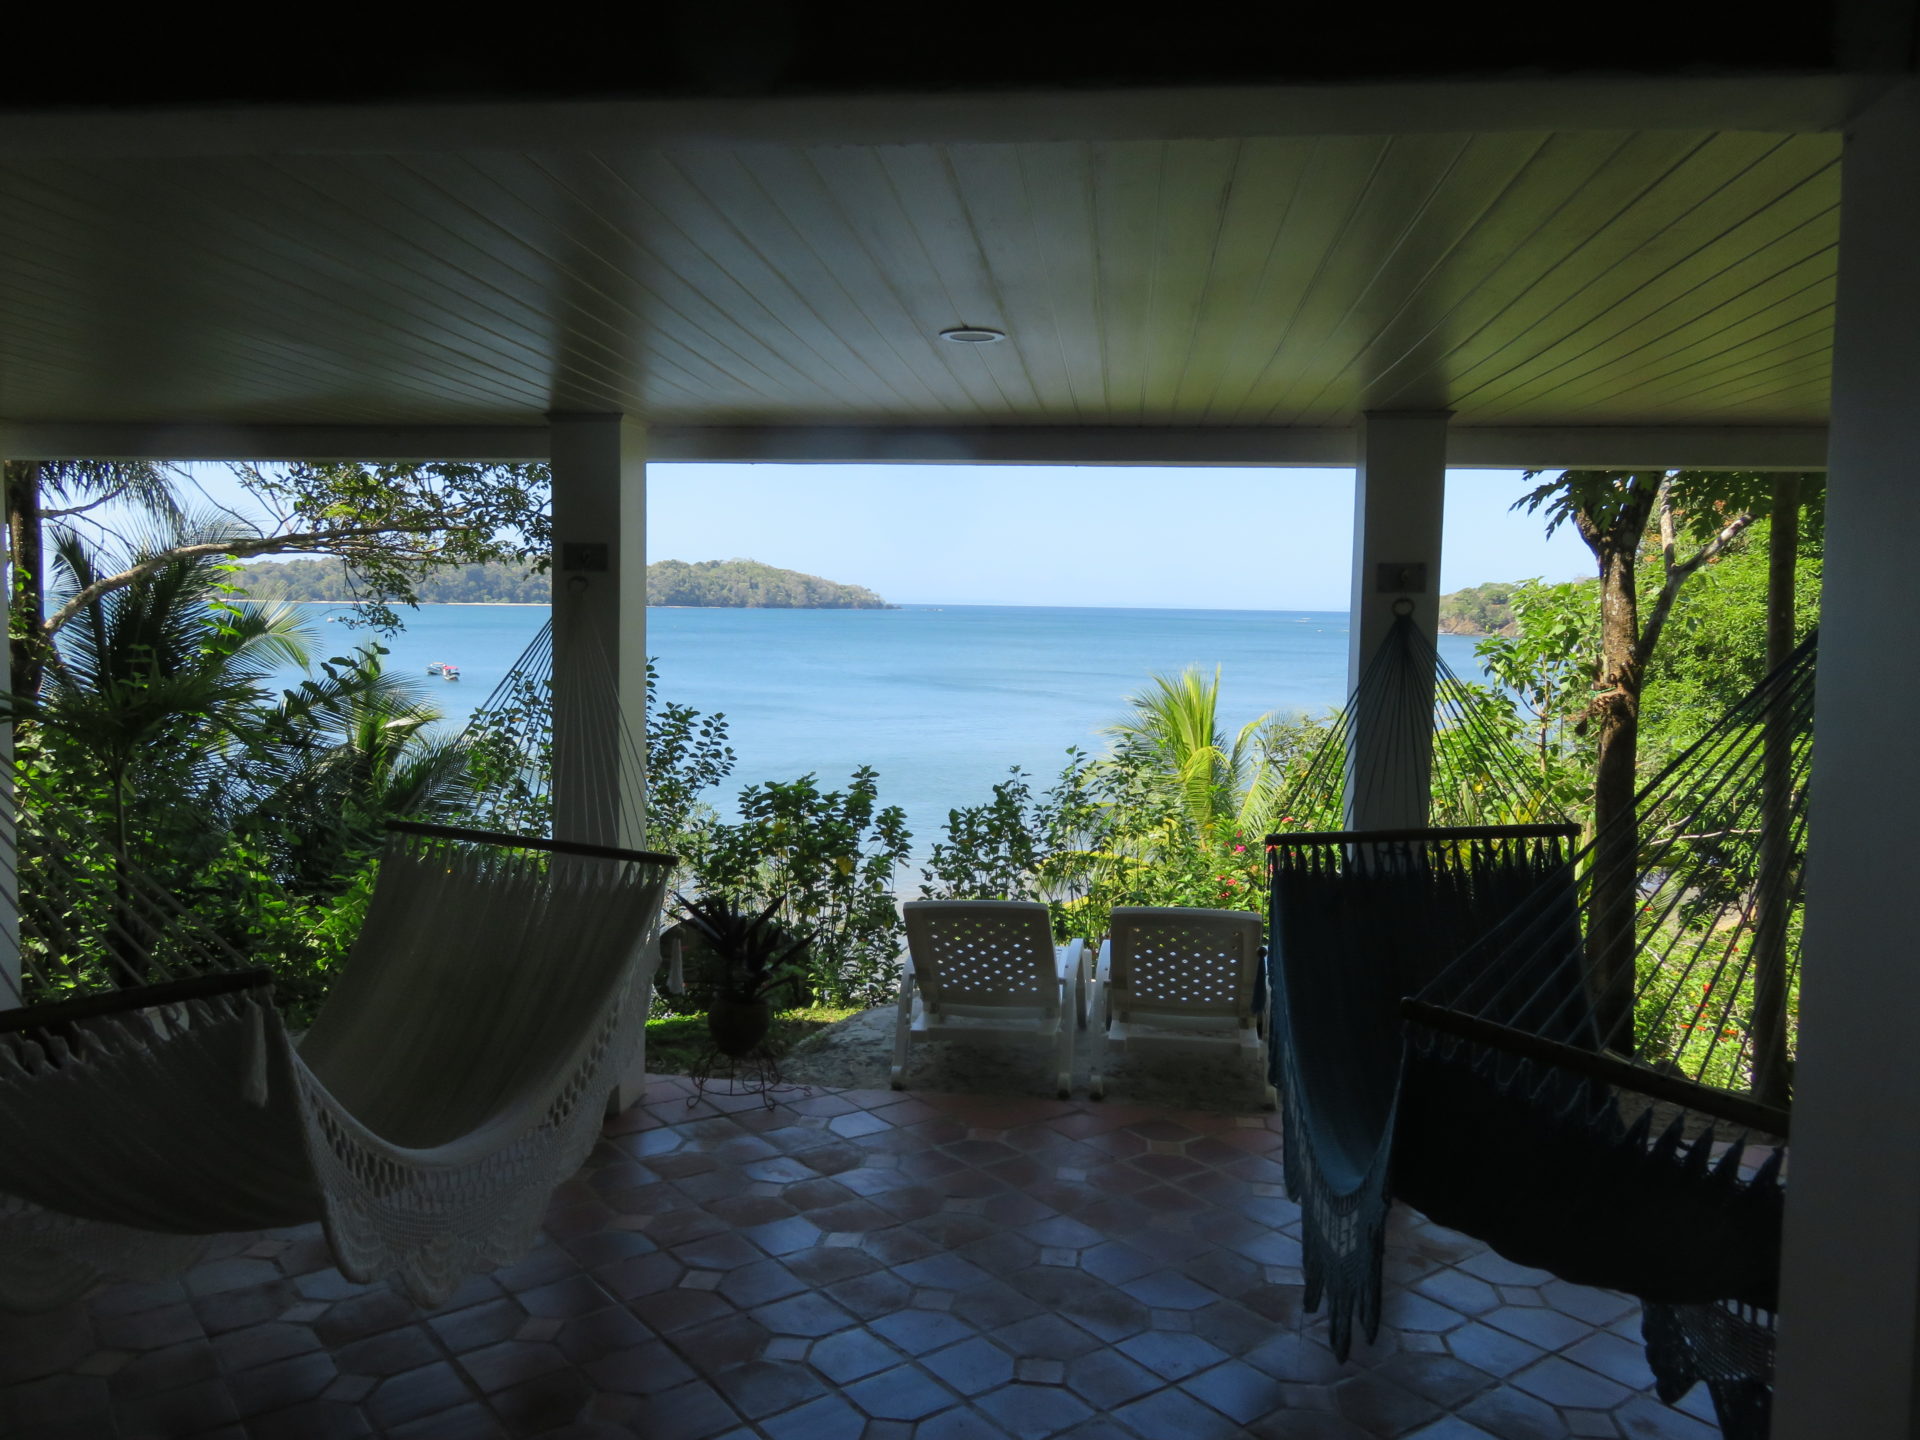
{"x": 437, "y": 668}
{"x": 449, "y": 672}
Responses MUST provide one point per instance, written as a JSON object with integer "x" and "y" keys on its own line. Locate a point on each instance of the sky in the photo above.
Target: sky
{"x": 1228, "y": 539}
{"x": 1015, "y": 535}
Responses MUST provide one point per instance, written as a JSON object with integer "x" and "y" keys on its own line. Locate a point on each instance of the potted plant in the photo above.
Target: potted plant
{"x": 753, "y": 955}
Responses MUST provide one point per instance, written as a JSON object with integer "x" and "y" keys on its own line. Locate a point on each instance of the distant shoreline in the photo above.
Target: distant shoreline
{"x": 1295, "y": 615}
{"x": 547, "y": 605}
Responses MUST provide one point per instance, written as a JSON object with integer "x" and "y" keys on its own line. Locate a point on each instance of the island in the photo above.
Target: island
{"x": 727, "y": 584}
{"x": 1478, "y": 610}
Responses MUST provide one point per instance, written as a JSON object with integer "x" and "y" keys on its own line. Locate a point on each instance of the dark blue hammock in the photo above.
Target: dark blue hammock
{"x": 1498, "y": 1110}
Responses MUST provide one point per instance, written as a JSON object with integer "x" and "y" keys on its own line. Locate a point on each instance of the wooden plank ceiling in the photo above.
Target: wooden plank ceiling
{"x": 1518, "y": 279}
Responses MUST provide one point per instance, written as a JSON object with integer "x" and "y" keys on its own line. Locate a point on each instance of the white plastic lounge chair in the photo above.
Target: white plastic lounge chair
{"x": 988, "y": 970}
{"x": 1169, "y": 977}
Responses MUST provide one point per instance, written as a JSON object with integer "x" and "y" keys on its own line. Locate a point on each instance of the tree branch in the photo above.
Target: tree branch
{"x": 73, "y": 510}
{"x": 320, "y": 542}
{"x": 1677, "y": 575}
{"x": 1663, "y": 502}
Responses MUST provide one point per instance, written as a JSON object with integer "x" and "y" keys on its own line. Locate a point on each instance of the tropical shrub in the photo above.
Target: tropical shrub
{"x": 829, "y": 858}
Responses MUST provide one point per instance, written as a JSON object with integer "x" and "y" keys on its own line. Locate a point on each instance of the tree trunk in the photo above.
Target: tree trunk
{"x": 26, "y": 603}
{"x": 1773, "y": 901}
{"x": 1612, "y": 898}
{"x": 1610, "y": 921}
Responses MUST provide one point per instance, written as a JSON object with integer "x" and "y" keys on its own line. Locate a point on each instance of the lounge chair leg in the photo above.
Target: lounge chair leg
{"x": 902, "y": 1030}
{"x": 1097, "y": 1019}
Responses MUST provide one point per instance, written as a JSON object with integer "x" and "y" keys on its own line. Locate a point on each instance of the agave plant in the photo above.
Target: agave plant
{"x": 756, "y": 954}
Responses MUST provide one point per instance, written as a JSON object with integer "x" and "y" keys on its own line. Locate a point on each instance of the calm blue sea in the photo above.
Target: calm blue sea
{"x": 941, "y": 700}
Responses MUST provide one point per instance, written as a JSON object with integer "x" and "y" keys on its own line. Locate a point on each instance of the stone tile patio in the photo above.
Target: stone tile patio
{"x": 861, "y": 1265}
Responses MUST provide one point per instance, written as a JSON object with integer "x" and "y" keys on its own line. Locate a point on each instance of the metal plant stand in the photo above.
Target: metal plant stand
{"x": 755, "y": 1073}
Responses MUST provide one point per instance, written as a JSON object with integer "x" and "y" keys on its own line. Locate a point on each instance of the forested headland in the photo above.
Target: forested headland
{"x": 1479, "y": 610}
{"x": 747, "y": 584}
{"x": 737, "y": 584}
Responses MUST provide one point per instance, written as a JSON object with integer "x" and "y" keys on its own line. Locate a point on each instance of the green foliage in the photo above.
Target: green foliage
{"x": 1171, "y": 730}
{"x": 994, "y": 851}
{"x": 1171, "y": 814}
{"x": 828, "y": 858}
{"x": 1547, "y": 663}
{"x": 1714, "y": 650}
{"x": 1598, "y": 501}
{"x": 687, "y": 756}
{"x": 825, "y": 860}
{"x": 165, "y": 763}
{"x": 394, "y": 525}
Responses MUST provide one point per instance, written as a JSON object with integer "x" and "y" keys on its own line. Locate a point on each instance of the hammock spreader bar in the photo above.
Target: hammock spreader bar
{"x": 145, "y": 997}
{"x": 1448, "y": 835}
{"x": 1611, "y": 1069}
{"x": 530, "y": 842}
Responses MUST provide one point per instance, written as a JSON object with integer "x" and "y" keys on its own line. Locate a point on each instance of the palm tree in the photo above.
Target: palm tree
{"x": 1221, "y": 786}
{"x": 155, "y": 691}
{"x": 357, "y": 756}
{"x": 141, "y": 734}
{"x": 76, "y": 488}
{"x": 169, "y": 770}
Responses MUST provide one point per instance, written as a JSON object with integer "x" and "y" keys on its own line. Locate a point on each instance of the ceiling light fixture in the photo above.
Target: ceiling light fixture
{"x": 973, "y": 335}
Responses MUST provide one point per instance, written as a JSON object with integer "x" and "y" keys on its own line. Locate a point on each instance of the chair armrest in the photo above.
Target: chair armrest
{"x": 1073, "y": 962}
{"x": 1070, "y": 957}
{"x": 673, "y": 957}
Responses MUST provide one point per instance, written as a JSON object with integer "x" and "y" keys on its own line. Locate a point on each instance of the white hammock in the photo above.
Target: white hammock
{"x": 456, "y": 1075}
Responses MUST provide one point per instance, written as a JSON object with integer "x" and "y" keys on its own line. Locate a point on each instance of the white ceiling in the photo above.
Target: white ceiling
{"x": 1520, "y": 278}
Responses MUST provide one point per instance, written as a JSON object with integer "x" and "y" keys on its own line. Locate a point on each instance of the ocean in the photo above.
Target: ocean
{"x": 940, "y": 699}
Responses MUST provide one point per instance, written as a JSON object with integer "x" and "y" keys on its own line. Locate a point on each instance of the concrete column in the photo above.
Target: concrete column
{"x": 1399, "y": 493}
{"x": 1850, "y": 1296}
{"x": 10, "y": 982}
{"x": 600, "y": 628}
{"x": 600, "y": 646}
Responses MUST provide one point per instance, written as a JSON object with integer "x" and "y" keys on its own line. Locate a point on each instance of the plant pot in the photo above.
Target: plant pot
{"x": 738, "y": 1026}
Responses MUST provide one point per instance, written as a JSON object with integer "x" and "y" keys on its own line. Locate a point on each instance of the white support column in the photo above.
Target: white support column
{"x": 10, "y": 981}
{"x": 600, "y": 624}
{"x": 1399, "y": 494}
{"x": 1850, "y": 1284}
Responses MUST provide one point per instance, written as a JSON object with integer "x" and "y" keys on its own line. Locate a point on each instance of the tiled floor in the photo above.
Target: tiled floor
{"x": 863, "y": 1265}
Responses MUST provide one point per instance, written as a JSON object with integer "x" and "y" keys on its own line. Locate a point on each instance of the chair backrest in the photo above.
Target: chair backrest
{"x": 1185, "y": 962}
{"x": 993, "y": 953}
